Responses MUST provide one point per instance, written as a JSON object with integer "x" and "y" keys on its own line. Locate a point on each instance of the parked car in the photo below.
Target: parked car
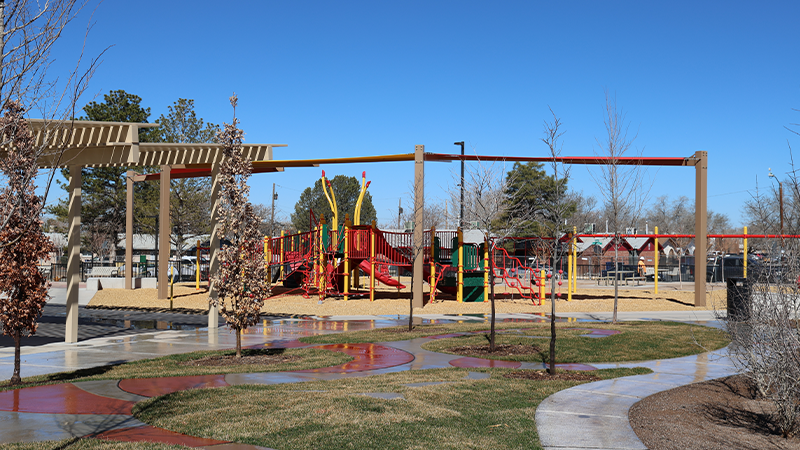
{"x": 721, "y": 268}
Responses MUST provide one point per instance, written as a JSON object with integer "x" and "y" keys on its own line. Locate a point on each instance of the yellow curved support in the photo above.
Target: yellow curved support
{"x": 331, "y": 202}
{"x": 364, "y": 186}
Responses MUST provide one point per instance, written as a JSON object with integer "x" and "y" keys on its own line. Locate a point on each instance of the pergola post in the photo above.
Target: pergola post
{"x": 700, "y": 227}
{"x": 129, "y": 230}
{"x": 419, "y": 220}
{"x": 213, "y": 311}
{"x": 164, "y": 228}
{"x": 74, "y": 252}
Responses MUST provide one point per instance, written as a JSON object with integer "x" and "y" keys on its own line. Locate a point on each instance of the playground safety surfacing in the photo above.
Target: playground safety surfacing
{"x": 102, "y": 409}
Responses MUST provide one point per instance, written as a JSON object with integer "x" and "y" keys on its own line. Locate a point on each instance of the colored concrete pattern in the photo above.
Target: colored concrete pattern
{"x": 365, "y": 357}
{"x": 153, "y": 387}
{"x": 153, "y": 434}
{"x": 61, "y": 399}
{"x": 474, "y": 363}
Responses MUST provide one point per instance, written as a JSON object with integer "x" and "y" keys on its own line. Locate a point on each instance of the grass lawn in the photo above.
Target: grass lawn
{"x": 638, "y": 341}
{"x": 170, "y": 366}
{"x": 89, "y": 444}
{"x": 461, "y": 413}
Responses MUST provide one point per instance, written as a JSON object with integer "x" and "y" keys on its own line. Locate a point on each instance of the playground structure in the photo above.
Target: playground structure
{"x": 328, "y": 259}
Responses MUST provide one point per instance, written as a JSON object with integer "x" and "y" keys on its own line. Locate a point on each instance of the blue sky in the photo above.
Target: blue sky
{"x": 335, "y": 79}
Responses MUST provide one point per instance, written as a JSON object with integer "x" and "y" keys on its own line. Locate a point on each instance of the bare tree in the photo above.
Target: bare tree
{"x": 242, "y": 281}
{"x": 621, "y": 186}
{"x": 28, "y": 32}
{"x": 561, "y": 209}
{"x": 489, "y": 203}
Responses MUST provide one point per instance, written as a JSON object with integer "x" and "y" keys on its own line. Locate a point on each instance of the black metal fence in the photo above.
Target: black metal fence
{"x": 183, "y": 270}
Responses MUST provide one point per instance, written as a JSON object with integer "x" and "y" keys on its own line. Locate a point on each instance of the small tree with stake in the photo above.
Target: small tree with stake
{"x": 23, "y": 287}
{"x": 242, "y": 281}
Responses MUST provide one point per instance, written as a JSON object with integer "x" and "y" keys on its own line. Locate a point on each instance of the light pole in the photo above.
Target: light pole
{"x": 461, "y": 217}
{"x": 780, "y": 197}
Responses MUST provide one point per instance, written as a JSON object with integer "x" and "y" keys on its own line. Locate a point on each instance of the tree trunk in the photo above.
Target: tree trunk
{"x": 15, "y": 378}
{"x": 491, "y": 297}
{"x": 238, "y": 343}
{"x": 616, "y": 278}
{"x": 552, "y": 367}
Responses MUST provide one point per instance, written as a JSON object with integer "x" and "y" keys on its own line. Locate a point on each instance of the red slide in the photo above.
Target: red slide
{"x": 383, "y": 278}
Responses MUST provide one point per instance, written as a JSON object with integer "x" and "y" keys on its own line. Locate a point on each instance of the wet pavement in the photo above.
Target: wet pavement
{"x": 102, "y": 409}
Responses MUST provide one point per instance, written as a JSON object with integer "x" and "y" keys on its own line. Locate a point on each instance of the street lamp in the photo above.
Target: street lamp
{"x": 780, "y": 196}
{"x": 461, "y": 217}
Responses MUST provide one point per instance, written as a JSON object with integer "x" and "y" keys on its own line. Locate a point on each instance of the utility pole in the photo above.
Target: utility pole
{"x": 461, "y": 217}
{"x": 272, "y": 213}
{"x": 399, "y": 211}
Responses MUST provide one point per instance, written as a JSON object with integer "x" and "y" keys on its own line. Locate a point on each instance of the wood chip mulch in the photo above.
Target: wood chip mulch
{"x": 719, "y": 414}
{"x": 232, "y": 360}
{"x": 500, "y": 350}
{"x": 544, "y": 376}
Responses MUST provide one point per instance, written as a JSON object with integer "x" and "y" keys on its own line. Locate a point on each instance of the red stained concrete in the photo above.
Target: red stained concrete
{"x": 366, "y": 357}
{"x": 61, "y": 399}
{"x": 473, "y": 363}
{"x": 152, "y": 434}
{"x": 153, "y": 387}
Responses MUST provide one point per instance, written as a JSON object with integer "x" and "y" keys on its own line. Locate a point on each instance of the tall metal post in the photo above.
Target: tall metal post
{"x": 461, "y": 217}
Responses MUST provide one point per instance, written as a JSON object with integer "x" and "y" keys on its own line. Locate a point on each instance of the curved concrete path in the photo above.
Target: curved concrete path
{"x": 102, "y": 409}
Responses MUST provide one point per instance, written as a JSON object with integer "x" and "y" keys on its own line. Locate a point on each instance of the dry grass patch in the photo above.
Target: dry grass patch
{"x": 89, "y": 444}
{"x": 638, "y": 341}
{"x": 461, "y": 413}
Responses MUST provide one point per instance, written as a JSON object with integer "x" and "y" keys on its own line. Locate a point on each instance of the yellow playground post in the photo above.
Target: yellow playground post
{"x": 542, "y": 278}
{"x": 655, "y": 263}
{"x": 281, "y": 266}
{"x": 745, "y": 253}
{"x": 346, "y": 257}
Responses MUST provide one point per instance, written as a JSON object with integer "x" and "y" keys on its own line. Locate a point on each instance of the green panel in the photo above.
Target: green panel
{"x": 470, "y": 257}
{"x": 436, "y": 249}
{"x": 473, "y": 293}
{"x": 473, "y": 279}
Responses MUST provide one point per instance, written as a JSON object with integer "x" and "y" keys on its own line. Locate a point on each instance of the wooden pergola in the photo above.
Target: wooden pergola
{"x": 77, "y": 144}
